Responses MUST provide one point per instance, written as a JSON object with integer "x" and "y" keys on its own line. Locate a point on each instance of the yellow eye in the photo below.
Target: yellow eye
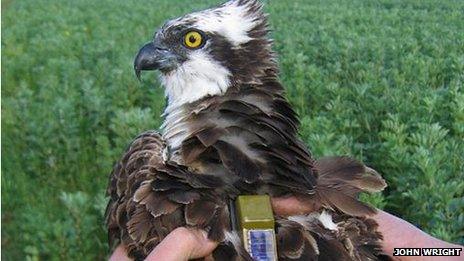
{"x": 193, "y": 39}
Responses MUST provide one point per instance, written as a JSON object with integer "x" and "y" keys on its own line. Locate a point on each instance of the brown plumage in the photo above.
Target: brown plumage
{"x": 242, "y": 141}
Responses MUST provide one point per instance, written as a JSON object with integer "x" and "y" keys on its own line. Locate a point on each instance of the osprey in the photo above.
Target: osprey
{"x": 228, "y": 130}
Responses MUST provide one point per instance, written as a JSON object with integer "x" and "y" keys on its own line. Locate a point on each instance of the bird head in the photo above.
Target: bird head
{"x": 204, "y": 53}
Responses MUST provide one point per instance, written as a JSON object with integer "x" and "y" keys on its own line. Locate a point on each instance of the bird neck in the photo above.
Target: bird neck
{"x": 267, "y": 98}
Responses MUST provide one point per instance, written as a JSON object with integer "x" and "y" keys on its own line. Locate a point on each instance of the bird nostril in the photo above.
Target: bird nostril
{"x": 161, "y": 48}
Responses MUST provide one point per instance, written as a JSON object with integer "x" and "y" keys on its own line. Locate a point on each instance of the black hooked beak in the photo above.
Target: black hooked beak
{"x": 153, "y": 57}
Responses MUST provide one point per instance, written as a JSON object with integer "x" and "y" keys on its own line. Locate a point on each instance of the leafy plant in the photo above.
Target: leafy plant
{"x": 379, "y": 80}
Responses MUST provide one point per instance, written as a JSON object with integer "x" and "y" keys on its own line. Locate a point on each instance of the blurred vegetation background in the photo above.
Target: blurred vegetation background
{"x": 379, "y": 80}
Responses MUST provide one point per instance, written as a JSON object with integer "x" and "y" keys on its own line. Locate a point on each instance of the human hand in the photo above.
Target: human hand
{"x": 181, "y": 244}
{"x": 184, "y": 244}
{"x": 397, "y": 233}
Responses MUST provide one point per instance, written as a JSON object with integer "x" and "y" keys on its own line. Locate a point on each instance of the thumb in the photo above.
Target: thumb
{"x": 183, "y": 244}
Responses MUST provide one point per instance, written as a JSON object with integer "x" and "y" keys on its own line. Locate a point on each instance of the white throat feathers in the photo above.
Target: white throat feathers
{"x": 198, "y": 77}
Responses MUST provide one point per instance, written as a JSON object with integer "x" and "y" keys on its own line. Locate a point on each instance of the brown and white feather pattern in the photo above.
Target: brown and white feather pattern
{"x": 242, "y": 140}
{"x": 233, "y": 146}
{"x": 149, "y": 198}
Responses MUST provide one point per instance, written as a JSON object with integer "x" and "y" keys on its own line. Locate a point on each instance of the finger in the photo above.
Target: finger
{"x": 398, "y": 233}
{"x": 183, "y": 244}
{"x": 288, "y": 206}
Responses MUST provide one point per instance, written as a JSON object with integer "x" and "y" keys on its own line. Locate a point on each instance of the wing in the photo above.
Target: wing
{"x": 349, "y": 238}
{"x": 146, "y": 147}
{"x": 149, "y": 198}
{"x": 250, "y": 136}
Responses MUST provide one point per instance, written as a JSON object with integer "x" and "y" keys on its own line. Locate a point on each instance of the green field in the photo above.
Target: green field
{"x": 380, "y": 80}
